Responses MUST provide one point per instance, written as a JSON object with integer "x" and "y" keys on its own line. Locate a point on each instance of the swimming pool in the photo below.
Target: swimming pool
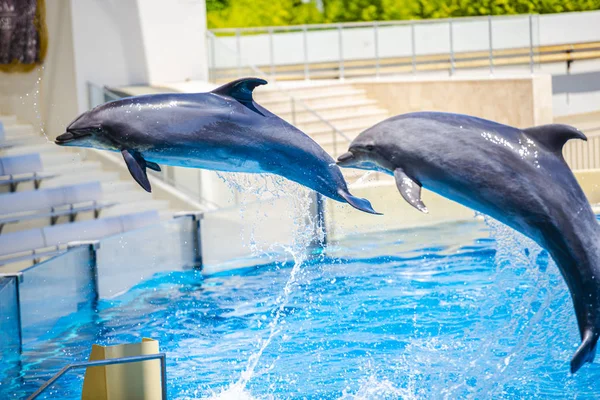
{"x": 445, "y": 312}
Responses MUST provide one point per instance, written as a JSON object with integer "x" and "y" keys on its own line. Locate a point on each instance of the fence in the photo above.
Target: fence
{"x": 380, "y": 48}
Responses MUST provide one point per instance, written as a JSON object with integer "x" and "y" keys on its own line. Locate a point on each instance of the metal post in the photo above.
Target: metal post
{"x": 334, "y": 137}
{"x": 413, "y": 47}
{"x": 320, "y": 210}
{"x": 341, "y": 44}
{"x": 491, "y": 44}
{"x": 376, "y": 44}
{"x": 531, "y": 43}
{"x": 163, "y": 377}
{"x": 271, "y": 52}
{"x": 18, "y": 279}
{"x": 238, "y": 46}
{"x": 451, "y": 47}
{"x": 212, "y": 57}
{"x": 305, "y": 48}
{"x": 293, "y": 109}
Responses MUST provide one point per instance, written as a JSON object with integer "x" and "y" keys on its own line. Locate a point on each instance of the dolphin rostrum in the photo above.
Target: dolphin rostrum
{"x": 222, "y": 130}
{"x": 517, "y": 176}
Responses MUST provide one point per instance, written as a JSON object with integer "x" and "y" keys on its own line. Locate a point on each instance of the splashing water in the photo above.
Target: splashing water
{"x": 306, "y": 229}
{"x": 33, "y": 100}
{"x": 362, "y": 179}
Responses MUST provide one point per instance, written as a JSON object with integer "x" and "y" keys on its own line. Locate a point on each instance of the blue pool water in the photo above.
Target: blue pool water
{"x": 460, "y": 311}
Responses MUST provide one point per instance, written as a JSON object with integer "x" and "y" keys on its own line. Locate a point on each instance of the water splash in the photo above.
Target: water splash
{"x": 305, "y": 229}
{"x": 374, "y": 388}
{"x": 33, "y": 99}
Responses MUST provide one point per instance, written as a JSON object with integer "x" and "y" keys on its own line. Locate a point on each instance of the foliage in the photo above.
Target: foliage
{"x": 246, "y": 13}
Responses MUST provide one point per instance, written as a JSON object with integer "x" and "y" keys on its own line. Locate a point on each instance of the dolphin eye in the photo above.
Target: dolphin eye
{"x": 370, "y": 147}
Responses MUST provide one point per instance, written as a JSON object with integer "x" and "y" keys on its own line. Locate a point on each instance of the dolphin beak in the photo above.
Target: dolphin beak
{"x": 69, "y": 136}
{"x": 64, "y": 138}
{"x": 345, "y": 159}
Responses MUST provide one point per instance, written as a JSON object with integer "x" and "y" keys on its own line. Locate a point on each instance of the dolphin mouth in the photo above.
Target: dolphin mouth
{"x": 70, "y": 136}
{"x": 345, "y": 159}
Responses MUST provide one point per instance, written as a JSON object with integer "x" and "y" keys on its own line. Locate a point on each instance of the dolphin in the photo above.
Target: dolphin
{"x": 517, "y": 176}
{"x": 223, "y": 130}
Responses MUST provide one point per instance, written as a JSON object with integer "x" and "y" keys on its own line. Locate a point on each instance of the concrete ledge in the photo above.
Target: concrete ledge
{"x": 520, "y": 101}
{"x": 342, "y": 220}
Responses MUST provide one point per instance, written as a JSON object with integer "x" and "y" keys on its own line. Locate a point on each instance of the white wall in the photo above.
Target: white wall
{"x": 108, "y": 45}
{"x": 46, "y": 97}
{"x": 107, "y": 42}
{"x": 174, "y": 39}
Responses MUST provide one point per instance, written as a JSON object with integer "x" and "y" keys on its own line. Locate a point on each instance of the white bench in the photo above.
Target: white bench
{"x": 21, "y": 168}
{"x": 52, "y": 203}
{"x": 46, "y": 241}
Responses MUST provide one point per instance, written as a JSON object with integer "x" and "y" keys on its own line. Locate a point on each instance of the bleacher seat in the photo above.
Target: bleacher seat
{"x": 52, "y": 203}
{"x": 21, "y": 164}
{"x": 33, "y": 240}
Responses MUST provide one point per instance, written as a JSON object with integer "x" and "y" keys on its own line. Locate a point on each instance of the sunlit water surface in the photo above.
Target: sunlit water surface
{"x": 460, "y": 311}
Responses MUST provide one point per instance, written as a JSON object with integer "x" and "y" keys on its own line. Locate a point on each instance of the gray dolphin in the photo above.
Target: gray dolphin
{"x": 222, "y": 130}
{"x": 517, "y": 176}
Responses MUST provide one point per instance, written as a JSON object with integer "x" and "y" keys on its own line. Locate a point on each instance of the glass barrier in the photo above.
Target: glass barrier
{"x": 126, "y": 259}
{"x": 10, "y": 345}
{"x": 257, "y": 233}
{"x": 59, "y": 287}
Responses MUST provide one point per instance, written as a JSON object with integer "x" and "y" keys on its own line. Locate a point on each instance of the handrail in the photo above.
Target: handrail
{"x": 293, "y": 99}
{"x": 123, "y": 360}
{"x": 364, "y": 24}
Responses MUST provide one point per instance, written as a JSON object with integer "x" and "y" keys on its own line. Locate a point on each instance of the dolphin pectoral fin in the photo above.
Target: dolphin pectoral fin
{"x": 586, "y": 351}
{"x": 410, "y": 190}
{"x": 241, "y": 90}
{"x": 137, "y": 168}
{"x": 554, "y": 136}
{"x": 357, "y": 202}
{"x": 153, "y": 166}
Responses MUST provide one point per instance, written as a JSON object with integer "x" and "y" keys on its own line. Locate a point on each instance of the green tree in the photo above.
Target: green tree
{"x": 246, "y": 13}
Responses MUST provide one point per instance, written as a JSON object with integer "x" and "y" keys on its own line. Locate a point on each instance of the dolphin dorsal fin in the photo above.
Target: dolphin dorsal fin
{"x": 240, "y": 89}
{"x": 554, "y": 136}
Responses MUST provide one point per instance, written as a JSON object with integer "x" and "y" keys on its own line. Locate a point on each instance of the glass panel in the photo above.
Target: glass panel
{"x": 259, "y": 237}
{"x": 254, "y": 49}
{"x": 127, "y": 259}
{"x": 9, "y": 320}
{"x": 58, "y": 287}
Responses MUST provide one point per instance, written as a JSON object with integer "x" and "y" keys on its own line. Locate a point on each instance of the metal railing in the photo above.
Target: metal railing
{"x": 124, "y": 360}
{"x": 406, "y": 57}
{"x": 244, "y": 68}
{"x": 581, "y": 155}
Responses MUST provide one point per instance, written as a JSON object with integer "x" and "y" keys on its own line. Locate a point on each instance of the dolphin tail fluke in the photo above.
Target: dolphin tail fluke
{"x": 358, "y": 203}
{"x": 586, "y": 351}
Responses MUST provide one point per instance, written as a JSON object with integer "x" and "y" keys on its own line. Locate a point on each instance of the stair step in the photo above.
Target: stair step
{"x": 365, "y": 119}
{"x": 70, "y": 166}
{"x": 18, "y": 131}
{"x": 8, "y": 120}
{"x": 278, "y": 97}
{"x": 85, "y": 176}
{"x": 109, "y": 188}
{"x": 128, "y": 196}
{"x": 286, "y": 109}
{"x": 135, "y": 206}
{"x": 337, "y": 115}
{"x": 306, "y": 90}
{"x": 41, "y": 148}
